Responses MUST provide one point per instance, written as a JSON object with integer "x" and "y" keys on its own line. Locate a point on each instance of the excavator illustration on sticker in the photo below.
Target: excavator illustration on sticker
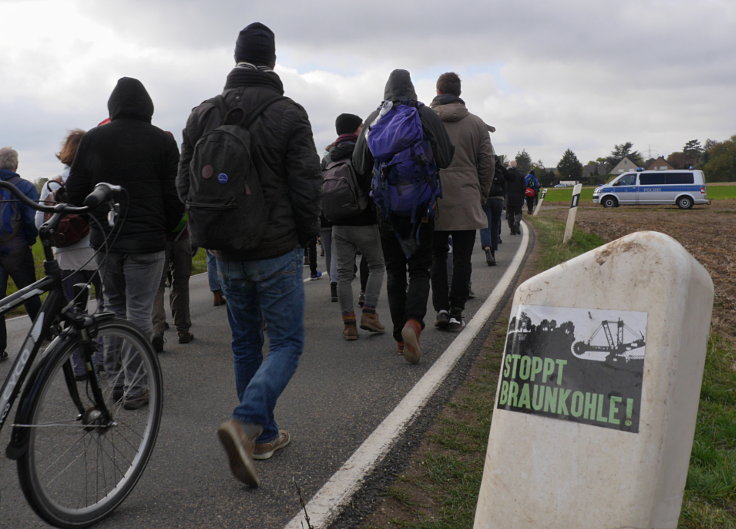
{"x": 623, "y": 347}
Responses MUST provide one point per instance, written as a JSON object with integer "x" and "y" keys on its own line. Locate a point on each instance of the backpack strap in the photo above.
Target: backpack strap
{"x": 247, "y": 117}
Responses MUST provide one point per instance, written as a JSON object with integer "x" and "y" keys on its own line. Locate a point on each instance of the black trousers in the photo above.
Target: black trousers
{"x": 445, "y": 295}
{"x": 407, "y": 278}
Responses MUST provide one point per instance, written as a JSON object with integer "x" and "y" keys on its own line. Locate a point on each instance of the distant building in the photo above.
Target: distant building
{"x": 660, "y": 164}
{"x": 624, "y": 166}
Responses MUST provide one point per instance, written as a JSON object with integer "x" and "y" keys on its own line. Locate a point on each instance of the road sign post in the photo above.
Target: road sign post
{"x": 572, "y": 213}
{"x": 539, "y": 203}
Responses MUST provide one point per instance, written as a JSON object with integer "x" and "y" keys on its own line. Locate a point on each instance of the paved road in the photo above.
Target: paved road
{"x": 342, "y": 391}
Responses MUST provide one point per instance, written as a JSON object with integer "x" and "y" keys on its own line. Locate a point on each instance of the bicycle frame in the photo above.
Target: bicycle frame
{"x": 50, "y": 308}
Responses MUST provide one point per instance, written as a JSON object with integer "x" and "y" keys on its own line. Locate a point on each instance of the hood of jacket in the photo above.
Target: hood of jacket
{"x": 399, "y": 87}
{"x": 449, "y": 107}
{"x": 129, "y": 99}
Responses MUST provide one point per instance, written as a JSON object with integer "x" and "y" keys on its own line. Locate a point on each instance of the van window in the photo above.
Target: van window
{"x": 626, "y": 180}
{"x": 651, "y": 179}
{"x": 680, "y": 178}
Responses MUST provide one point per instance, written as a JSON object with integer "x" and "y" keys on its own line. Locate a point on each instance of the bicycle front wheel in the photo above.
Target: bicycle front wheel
{"x": 79, "y": 465}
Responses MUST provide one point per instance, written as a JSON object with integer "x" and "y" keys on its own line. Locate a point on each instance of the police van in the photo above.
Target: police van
{"x": 681, "y": 187}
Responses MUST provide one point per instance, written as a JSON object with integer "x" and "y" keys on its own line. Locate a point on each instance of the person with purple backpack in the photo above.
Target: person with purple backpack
{"x": 405, "y": 188}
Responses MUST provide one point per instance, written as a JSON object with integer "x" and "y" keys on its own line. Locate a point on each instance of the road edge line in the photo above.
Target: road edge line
{"x": 329, "y": 501}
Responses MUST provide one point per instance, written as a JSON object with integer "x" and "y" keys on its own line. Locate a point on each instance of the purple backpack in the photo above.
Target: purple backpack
{"x": 405, "y": 177}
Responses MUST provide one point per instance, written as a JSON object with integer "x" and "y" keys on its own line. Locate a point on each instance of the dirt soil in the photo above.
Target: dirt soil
{"x": 707, "y": 232}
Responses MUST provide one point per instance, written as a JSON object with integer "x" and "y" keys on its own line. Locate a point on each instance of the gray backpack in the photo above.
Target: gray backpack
{"x": 226, "y": 207}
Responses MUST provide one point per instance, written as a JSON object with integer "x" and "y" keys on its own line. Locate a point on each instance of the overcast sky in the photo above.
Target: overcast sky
{"x": 577, "y": 74}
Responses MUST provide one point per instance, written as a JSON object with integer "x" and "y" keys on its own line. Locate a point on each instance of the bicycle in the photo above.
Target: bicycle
{"x": 80, "y": 445}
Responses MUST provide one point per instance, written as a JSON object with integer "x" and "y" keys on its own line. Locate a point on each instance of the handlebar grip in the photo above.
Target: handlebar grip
{"x": 101, "y": 193}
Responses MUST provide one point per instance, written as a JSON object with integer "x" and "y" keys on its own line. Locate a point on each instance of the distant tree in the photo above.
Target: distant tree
{"x": 694, "y": 152}
{"x": 570, "y": 167}
{"x": 523, "y": 161}
{"x": 622, "y": 151}
{"x": 708, "y": 146}
{"x": 721, "y": 165}
{"x": 679, "y": 160}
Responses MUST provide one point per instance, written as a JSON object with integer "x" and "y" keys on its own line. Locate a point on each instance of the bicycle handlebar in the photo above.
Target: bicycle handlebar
{"x": 101, "y": 193}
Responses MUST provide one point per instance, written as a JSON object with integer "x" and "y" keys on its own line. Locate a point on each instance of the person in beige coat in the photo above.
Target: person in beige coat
{"x": 466, "y": 183}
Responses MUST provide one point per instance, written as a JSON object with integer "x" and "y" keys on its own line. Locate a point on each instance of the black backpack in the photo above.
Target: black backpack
{"x": 341, "y": 196}
{"x": 226, "y": 206}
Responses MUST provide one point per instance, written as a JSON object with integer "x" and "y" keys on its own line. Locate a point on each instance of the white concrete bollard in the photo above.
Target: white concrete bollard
{"x": 598, "y": 396}
{"x": 572, "y": 213}
{"x": 542, "y": 194}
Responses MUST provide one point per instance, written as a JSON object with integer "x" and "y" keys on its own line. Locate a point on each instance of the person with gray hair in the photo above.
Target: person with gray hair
{"x": 17, "y": 235}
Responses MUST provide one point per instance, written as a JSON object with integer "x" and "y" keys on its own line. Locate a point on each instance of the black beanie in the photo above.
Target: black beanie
{"x": 256, "y": 45}
{"x": 347, "y": 123}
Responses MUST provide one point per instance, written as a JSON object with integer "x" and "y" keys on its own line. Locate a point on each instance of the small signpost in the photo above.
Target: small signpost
{"x": 543, "y": 194}
{"x": 572, "y": 213}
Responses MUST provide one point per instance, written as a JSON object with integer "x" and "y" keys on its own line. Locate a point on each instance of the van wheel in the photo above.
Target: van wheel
{"x": 684, "y": 202}
{"x": 609, "y": 202}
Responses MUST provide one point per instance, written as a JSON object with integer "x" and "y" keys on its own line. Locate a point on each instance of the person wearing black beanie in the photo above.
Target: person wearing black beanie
{"x": 347, "y": 123}
{"x": 262, "y": 284}
{"x": 256, "y": 45}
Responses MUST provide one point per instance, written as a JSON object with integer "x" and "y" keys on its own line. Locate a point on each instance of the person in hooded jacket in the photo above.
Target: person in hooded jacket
{"x": 357, "y": 233}
{"x": 515, "y": 187}
{"x": 142, "y": 158}
{"x": 465, "y": 186}
{"x": 264, "y": 284}
{"x": 407, "y": 297}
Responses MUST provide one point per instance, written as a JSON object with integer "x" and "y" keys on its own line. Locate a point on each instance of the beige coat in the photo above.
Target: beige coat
{"x": 466, "y": 182}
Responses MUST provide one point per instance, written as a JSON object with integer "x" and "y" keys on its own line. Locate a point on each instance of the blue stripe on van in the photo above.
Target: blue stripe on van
{"x": 693, "y": 188}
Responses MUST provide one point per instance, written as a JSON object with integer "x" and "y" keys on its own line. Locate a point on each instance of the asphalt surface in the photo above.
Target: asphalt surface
{"x": 340, "y": 393}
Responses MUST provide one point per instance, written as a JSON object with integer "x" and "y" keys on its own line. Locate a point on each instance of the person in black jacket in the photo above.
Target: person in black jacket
{"x": 357, "y": 233}
{"x": 407, "y": 298}
{"x": 141, "y": 158}
{"x": 263, "y": 284}
{"x": 493, "y": 209}
{"x": 515, "y": 198}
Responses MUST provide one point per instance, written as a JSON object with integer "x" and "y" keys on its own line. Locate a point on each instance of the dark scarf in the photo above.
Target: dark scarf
{"x": 346, "y": 137}
{"x": 245, "y": 74}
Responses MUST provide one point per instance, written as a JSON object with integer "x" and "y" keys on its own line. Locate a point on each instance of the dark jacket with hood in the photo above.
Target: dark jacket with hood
{"x": 340, "y": 150}
{"x": 141, "y": 158}
{"x": 400, "y": 88}
{"x": 515, "y": 188}
{"x": 284, "y": 153}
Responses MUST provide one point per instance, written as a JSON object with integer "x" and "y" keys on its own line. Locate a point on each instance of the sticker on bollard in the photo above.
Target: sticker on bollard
{"x": 580, "y": 365}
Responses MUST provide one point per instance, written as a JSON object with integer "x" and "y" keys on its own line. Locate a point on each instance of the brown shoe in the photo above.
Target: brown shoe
{"x": 218, "y": 298}
{"x": 350, "y": 332}
{"x": 239, "y": 449}
{"x": 266, "y": 450}
{"x": 400, "y": 348}
{"x": 410, "y": 333}
{"x": 369, "y": 321}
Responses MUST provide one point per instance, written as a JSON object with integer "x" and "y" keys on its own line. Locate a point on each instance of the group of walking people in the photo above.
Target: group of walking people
{"x": 262, "y": 287}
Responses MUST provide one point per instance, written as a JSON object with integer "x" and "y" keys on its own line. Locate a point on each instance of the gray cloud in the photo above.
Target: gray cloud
{"x": 549, "y": 76}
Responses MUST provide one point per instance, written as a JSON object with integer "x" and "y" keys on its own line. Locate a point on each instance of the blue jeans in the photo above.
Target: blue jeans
{"x": 212, "y": 278}
{"x": 489, "y": 236}
{"x": 270, "y": 290}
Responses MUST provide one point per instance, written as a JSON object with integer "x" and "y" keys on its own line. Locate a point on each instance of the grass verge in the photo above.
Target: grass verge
{"x": 439, "y": 489}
